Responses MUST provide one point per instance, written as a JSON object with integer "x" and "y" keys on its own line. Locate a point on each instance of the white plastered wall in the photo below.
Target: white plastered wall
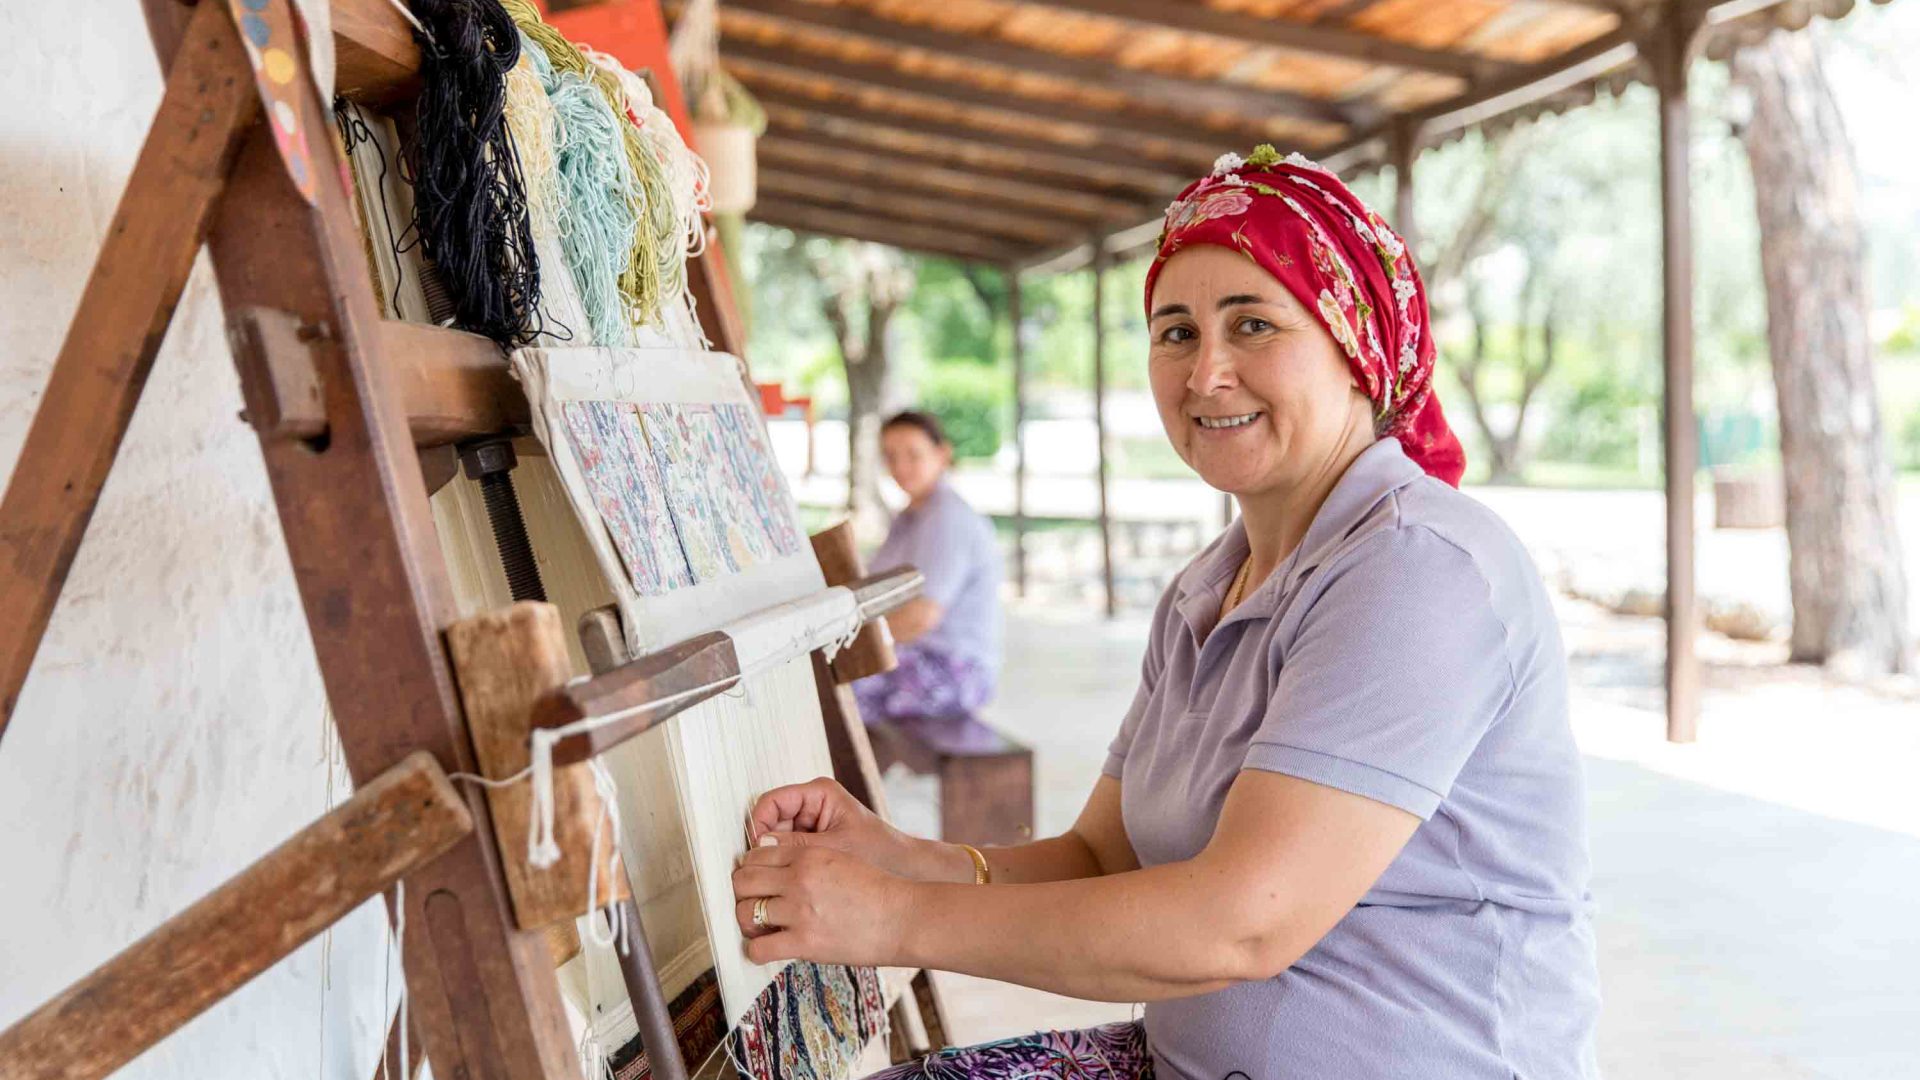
{"x": 173, "y": 727}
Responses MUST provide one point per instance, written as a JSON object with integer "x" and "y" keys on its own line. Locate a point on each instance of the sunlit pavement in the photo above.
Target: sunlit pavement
{"x": 1757, "y": 892}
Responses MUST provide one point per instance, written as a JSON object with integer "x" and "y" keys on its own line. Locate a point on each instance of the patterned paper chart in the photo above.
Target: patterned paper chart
{"x": 753, "y": 481}
{"x": 689, "y": 492}
{"x": 629, "y": 493}
{"x": 697, "y": 514}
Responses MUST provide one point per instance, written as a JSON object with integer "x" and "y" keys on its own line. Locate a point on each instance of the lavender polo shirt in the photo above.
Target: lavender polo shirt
{"x": 1406, "y": 652}
{"x": 954, "y": 546}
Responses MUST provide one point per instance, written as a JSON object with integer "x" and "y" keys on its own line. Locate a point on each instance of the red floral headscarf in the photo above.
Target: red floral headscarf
{"x": 1298, "y": 222}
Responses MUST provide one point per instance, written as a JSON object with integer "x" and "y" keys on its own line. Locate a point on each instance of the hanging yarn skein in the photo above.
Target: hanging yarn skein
{"x": 470, "y": 204}
{"x": 530, "y": 117}
{"x": 598, "y": 212}
{"x": 675, "y": 182}
{"x": 640, "y": 282}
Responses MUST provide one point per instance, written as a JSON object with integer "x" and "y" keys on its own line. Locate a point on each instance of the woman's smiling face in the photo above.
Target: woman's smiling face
{"x": 1254, "y": 392}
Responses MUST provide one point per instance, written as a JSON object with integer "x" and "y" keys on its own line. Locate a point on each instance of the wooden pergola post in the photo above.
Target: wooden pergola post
{"x": 1403, "y": 146}
{"x": 1667, "y": 49}
{"x": 1100, "y": 416}
{"x": 1016, "y": 320}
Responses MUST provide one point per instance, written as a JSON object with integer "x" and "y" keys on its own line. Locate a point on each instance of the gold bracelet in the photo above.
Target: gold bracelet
{"x": 981, "y": 875}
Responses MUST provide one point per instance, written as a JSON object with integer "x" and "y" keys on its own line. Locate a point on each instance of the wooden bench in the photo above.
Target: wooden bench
{"x": 986, "y": 778}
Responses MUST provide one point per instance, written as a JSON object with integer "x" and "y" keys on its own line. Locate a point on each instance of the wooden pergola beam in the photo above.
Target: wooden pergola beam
{"x": 1183, "y": 141}
{"x": 906, "y": 235}
{"x": 1181, "y": 93}
{"x": 1015, "y": 227}
{"x": 1115, "y": 163}
{"x": 805, "y": 154}
{"x": 1301, "y": 37}
{"x": 976, "y": 154}
{"x": 1526, "y": 85}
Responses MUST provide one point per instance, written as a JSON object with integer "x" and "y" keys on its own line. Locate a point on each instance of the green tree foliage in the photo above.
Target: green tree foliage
{"x": 973, "y": 402}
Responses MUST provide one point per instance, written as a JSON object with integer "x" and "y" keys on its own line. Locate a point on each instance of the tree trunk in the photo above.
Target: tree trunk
{"x": 869, "y": 391}
{"x": 1849, "y": 588}
{"x": 863, "y": 285}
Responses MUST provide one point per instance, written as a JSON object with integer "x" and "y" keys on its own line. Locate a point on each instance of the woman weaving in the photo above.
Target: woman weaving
{"x": 1341, "y": 830}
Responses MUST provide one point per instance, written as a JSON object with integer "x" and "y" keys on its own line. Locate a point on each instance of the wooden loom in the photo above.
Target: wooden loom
{"x": 344, "y": 402}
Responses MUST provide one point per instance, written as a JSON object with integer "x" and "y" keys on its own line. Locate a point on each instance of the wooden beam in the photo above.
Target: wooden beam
{"x": 952, "y": 244}
{"x": 1183, "y": 140}
{"x": 1524, "y": 86}
{"x": 1167, "y": 93}
{"x": 693, "y": 671}
{"x": 1300, "y": 37}
{"x": 1119, "y": 162}
{"x": 805, "y": 154}
{"x": 456, "y": 385}
{"x": 394, "y": 824}
{"x": 906, "y": 206}
{"x": 376, "y": 60}
{"x": 975, "y": 154}
{"x": 648, "y": 691}
{"x": 116, "y": 332}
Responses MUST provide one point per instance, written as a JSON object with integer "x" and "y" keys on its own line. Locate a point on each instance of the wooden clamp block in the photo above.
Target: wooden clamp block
{"x": 408, "y": 816}
{"x": 506, "y": 661}
{"x": 872, "y": 652}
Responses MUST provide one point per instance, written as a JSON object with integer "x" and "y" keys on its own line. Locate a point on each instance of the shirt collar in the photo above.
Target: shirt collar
{"x": 1379, "y": 471}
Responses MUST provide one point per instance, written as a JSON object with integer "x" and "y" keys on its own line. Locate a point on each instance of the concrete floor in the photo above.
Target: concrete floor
{"x": 1758, "y": 893}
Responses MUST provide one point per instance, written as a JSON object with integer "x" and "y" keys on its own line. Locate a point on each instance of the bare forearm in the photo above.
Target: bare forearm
{"x": 1057, "y": 858}
{"x": 1138, "y": 936}
{"x": 913, "y": 620}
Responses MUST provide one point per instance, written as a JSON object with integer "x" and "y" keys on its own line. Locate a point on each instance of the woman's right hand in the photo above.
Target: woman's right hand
{"x": 821, "y": 813}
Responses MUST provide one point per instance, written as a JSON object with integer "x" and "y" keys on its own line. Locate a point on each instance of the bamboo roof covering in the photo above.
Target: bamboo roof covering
{"x": 1013, "y": 130}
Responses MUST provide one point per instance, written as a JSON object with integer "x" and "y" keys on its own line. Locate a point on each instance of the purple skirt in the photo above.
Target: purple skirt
{"x": 1108, "y": 1052}
{"x": 927, "y": 683}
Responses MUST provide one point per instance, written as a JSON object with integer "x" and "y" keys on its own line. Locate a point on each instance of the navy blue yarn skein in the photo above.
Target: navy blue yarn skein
{"x": 470, "y": 203}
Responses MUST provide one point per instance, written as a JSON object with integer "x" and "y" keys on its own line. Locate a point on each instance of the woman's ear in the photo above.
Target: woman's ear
{"x": 946, "y": 455}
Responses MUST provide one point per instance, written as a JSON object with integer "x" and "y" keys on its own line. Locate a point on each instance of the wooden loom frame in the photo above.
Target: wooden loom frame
{"x": 342, "y": 400}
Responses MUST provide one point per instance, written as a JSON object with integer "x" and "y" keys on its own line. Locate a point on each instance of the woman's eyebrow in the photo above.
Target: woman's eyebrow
{"x": 1237, "y": 299}
{"x": 1170, "y": 309}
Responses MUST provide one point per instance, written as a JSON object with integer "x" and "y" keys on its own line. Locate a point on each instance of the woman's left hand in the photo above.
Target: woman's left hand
{"x": 822, "y": 905}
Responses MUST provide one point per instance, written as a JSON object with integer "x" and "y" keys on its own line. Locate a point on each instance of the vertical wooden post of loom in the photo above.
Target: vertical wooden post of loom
{"x": 1016, "y": 318}
{"x": 1100, "y": 418}
{"x": 361, "y": 541}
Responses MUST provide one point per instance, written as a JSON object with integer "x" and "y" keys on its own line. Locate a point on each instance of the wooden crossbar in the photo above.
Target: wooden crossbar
{"x": 691, "y": 672}
{"x": 392, "y": 826}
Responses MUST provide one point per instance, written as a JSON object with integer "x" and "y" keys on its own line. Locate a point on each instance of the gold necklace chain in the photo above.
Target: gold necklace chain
{"x": 1239, "y": 586}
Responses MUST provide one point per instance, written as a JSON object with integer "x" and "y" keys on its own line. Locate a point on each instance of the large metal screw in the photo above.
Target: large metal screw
{"x": 491, "y": 462}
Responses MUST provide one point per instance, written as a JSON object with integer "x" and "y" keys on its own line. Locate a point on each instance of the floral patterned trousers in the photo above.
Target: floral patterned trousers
{"x": 926, "y": 684}
{"x": 1109, "y": 1052}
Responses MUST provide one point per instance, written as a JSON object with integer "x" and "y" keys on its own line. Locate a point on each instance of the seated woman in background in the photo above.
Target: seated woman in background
{"x": 948, "y": 638}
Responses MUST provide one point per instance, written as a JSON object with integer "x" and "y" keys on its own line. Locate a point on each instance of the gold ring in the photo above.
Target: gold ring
{"x": 760, "y": 912}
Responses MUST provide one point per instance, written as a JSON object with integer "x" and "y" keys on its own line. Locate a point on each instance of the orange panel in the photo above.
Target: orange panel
{"x": 634, "y": 32}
